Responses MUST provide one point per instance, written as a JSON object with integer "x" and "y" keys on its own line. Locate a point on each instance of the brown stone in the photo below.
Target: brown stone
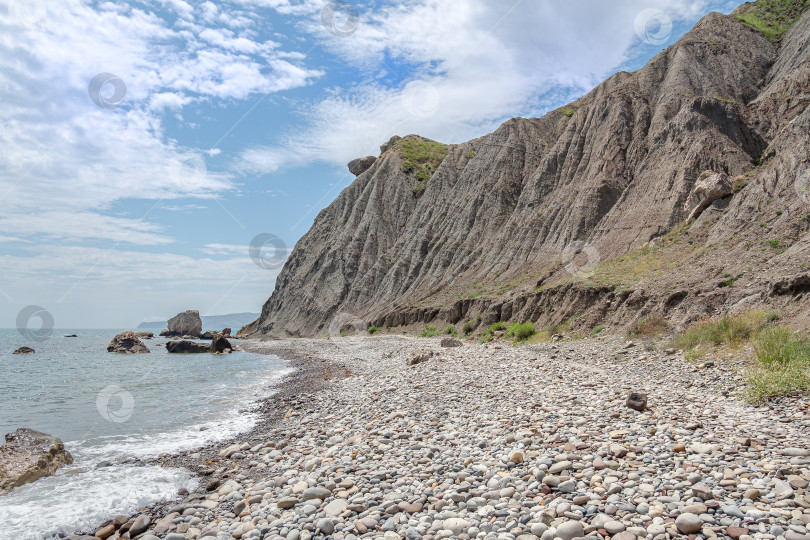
{"x": 420, "y": 356}
{"x": 637, "y": 401}
{"x": 105, "y": 532}
{"x": 736, "y": 532}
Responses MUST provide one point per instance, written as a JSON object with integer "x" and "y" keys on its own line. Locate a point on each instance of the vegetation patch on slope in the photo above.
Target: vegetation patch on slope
{"x": 420, "y": 158}
{"x": 773, "y": 18}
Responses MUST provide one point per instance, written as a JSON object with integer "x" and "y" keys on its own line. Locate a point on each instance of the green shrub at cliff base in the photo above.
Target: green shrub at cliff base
{"x": 521, "y": 331}
{"x": 783, "y": 364}
{"x": 490, "y": 333}
{"x": 429, "y": 331}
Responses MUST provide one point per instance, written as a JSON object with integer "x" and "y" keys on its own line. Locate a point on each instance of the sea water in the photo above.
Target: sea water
{"x": 108, "y": 407}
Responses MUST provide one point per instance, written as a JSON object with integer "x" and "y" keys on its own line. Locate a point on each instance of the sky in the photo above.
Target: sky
{"x": 158, "y": 156}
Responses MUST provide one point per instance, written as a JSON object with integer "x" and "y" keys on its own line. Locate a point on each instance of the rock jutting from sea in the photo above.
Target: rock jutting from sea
{"x": 29, "y": 455}
{"x": 127, "y": 343}
{"x": 187, "y": 323}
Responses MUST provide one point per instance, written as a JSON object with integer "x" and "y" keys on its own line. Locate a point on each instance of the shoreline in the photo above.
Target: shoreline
{"x": 307, "y": 372}
{"x": 284, "y": 395}
{"x": 498, "y": 442}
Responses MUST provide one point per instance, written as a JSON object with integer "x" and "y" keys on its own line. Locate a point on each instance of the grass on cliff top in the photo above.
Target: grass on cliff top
{"x": 773, "y": 18}
{"x": 782, "y": 355}
{"x": 421, "y": 157}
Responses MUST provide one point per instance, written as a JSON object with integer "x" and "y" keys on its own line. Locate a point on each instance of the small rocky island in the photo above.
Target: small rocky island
{"x": 127, "y": 343}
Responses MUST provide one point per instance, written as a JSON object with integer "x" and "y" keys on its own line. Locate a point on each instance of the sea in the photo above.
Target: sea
{"x": 109, "y": 407}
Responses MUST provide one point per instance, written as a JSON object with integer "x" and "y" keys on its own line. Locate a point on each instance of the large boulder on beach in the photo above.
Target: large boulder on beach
{"x": 29, "y": 455}
{"x": 185, "y": 346}
{"x": 185, "y": 323}
{"x": 24, "y": 350}
{"x": 127, "y": 343}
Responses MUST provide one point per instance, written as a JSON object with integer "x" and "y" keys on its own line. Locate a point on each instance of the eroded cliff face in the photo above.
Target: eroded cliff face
{"x": 581, "y": 212}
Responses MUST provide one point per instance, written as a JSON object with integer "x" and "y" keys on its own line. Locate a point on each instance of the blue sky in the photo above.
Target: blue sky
{"x": 145, "y": 144}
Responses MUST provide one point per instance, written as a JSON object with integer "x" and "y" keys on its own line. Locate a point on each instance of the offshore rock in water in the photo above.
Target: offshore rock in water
{"x": 185, "y": 323}
{"x": 184, "y": 346}
{"x": 220, "y": 345}
{"x": 127, "y": 343}
{"x": 29, "y": 455}
{"x": 24, "y": 350}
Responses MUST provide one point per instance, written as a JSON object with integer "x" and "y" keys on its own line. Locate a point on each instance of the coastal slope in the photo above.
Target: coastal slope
{"x": 676, "y": 191}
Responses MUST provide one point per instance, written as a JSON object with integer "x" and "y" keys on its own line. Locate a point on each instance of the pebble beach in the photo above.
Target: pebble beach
{"x": 495, "y": 441}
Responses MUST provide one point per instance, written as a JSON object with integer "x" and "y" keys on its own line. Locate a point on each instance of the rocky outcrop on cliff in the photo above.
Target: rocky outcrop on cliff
{"x": 704, "y": 150}
{"x": 29, "y": 455}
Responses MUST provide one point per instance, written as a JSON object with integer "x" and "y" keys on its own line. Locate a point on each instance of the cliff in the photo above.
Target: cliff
{"x": 583, "y": 214}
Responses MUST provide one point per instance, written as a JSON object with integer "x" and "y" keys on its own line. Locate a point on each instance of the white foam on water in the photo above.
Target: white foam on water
{"x": 81, "y": 501}
{"x": 69, "y": 503}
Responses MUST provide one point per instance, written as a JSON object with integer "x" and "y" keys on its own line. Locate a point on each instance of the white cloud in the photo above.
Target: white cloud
{"x": 471, "y": 64}
{"x": 62, "y": 153}
{"x": 230, "y": 249}
{"x": 83, "y": 225}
